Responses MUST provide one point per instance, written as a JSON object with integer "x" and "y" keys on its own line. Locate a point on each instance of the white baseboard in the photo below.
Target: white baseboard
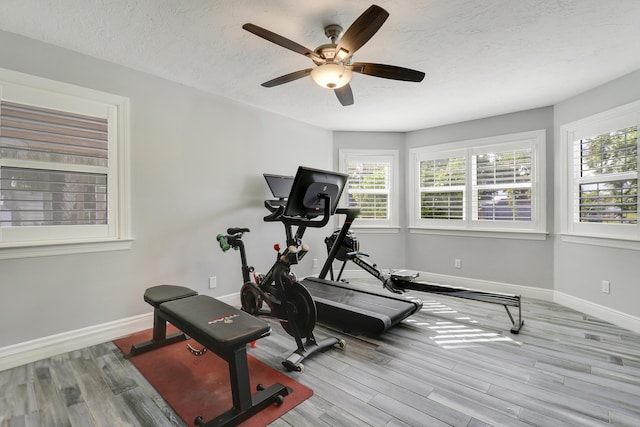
{"x": 607, "y": 314}
{"x": 42, "y": 348}
{"x": 231, "y": 299}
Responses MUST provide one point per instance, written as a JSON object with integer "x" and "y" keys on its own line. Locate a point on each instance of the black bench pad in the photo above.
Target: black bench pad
{"x": 157, "y": 295}
{"x": 213, "y": 323}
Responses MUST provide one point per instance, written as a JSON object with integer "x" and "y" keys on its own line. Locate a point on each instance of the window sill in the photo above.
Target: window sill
{"x": 608, "y": 242}
{"x": 40, "y": 249}
{"x": 491, "y": 234}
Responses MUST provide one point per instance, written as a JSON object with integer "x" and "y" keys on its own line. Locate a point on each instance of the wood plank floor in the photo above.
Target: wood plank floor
{"x": 455, "y": 363}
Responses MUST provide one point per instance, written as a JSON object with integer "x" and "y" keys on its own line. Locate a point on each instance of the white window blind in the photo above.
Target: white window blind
{"x": 373, "y": 176}
{"x": 502, "y": 185}
{"x": 369, "y": 188}
{"x": 71, "y": 187}
{"x": 442, "y": 188}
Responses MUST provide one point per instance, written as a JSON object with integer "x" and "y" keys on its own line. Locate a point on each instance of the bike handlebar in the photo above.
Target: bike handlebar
{"x": 278, "y": 215}
{"x": 275, "y": 214}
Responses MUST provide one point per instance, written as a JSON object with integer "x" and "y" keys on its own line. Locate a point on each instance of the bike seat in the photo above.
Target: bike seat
{"x": 236, "y": 230}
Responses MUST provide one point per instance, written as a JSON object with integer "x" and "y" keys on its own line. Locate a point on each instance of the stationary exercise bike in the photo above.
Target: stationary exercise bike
{"x": 285, "y": 298}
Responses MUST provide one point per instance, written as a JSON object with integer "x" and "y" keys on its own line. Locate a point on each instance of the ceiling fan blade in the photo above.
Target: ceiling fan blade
{"x": 287, "y": 78}
{"x": 345, "y": 95}
{"x": 387, "y": 71}
{"x": 279, "y": 40}
{"x": 361, "y": 31}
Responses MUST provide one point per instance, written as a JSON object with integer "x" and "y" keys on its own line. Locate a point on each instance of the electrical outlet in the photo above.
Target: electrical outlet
{"x": 457, "y": 263}
{"x": 212, "y": 282}
{"x": 315, "y": 263}
{"x": 606, "y": 286}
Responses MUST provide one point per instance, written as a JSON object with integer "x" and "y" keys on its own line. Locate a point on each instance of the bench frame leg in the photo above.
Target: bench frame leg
{"x": 244, "y": 404}
{"x": 160, "y": 338}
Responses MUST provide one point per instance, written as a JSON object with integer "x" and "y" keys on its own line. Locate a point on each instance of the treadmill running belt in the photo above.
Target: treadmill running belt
{"x": 354, "y": 309}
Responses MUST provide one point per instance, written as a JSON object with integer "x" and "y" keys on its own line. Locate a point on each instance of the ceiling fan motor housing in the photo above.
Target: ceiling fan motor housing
{"x": 333, "y": 31}
{"x": 326, "y": 52}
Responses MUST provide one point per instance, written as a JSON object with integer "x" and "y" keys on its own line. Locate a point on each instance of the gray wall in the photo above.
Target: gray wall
{"x": 579, "y": 268}
{"x": 517, "y": 262}
{"x": 197, "y": 164}
{"x": 510, "y": 261}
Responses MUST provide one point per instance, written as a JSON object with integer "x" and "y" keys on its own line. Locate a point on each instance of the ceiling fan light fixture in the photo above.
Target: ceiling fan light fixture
{"x": 331, "y": 75}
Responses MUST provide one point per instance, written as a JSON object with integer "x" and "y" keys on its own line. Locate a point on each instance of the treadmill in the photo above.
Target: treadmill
{"x": 343, "y": 306}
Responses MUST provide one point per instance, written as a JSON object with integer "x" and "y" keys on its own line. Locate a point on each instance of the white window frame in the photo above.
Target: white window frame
{"x": 614, "y": 235}
{"x": 432, "y": 154}
{"x": 19, "y": 242}
{"x": 345, "y": 156}
{"x": 534, "y": 229}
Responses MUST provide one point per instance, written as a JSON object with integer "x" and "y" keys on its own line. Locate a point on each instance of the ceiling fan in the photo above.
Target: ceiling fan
{"x": 334, "y": 67}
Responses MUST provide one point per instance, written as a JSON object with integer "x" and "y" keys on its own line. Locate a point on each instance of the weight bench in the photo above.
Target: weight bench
{"x": 220, "y": 328}
{"x": 155, "y": 296}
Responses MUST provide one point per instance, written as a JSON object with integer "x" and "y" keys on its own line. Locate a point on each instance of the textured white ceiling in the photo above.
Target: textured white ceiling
{"x": 481, "y": 57}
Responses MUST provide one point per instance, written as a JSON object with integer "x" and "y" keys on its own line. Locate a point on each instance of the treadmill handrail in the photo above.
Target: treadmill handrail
{"x": 355, "y": 212}
{"x": 352, "y": 213}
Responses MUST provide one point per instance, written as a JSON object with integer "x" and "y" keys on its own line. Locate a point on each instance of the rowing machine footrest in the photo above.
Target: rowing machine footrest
{"x": 408, "y": 275}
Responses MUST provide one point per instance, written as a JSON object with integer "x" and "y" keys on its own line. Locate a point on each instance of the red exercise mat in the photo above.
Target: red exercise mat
{"x": 199, "y": 385}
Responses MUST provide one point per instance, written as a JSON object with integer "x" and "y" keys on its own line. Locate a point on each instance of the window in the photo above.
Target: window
{"x": 442, "y": 186}
{"x": 602, "y": 174}
{"x": 485, "y": 184}
{"x": 63, "y": 157}
{"x": 373, "y": 175}
{"x": 502, "y": 184}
